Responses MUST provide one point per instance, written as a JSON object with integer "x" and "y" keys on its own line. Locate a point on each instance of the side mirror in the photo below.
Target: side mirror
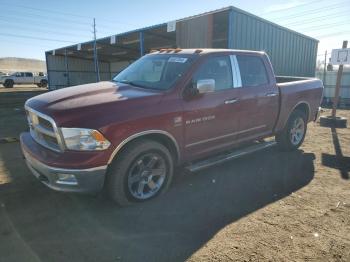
{"x": 205, "y": 86}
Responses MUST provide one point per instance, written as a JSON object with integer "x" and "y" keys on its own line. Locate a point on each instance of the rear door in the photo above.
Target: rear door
{"x": 211, "y": 119}
{"x": 258, "y": 98}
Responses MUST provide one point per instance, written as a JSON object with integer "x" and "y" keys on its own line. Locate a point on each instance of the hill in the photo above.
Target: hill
{"x": 13, "y": 64}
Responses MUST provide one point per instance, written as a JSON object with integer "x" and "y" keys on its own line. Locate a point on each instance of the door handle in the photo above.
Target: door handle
{"x": 271, "y": 94}
{"x": 231, "y": 101}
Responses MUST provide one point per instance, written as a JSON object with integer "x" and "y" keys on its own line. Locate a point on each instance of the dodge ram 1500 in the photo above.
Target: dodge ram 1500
{"x": 189, "y": 107}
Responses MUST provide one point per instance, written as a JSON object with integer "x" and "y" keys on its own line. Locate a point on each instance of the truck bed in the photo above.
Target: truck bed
{"x": 285, "y": 79}
{"x": 295, "y": 91}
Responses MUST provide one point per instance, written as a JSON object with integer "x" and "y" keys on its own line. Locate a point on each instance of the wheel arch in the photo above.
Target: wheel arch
{"x": 303, "y": 107}
{"x": 161, "y": 136}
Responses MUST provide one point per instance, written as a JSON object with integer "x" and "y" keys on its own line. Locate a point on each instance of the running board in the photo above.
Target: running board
{"x": 218, "y": 159}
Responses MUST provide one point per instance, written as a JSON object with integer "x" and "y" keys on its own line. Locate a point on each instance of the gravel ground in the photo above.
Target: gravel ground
{"x": 270, "y": 205}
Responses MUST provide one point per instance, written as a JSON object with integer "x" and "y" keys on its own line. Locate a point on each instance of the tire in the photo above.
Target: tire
{"x": 43, "y": 83}
{"x": 131, "y": 176}
{"x": 291, "y": 137}
{"x": 329, "y": 121}
{"x": 8, "y": 83}
{"x": 38, "y": 85}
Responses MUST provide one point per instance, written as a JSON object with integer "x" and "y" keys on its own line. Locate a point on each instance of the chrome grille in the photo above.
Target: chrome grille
{"x": 43, "y": 130}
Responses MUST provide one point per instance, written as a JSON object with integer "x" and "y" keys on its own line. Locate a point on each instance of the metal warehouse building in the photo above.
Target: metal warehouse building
{"x": 291, "y": 53}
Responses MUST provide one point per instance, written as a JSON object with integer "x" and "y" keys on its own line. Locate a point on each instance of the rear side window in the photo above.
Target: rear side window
{"x": 253, "y": 71}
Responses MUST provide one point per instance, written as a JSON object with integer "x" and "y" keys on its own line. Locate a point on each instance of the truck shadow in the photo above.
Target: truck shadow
{"x": 58, "y": 227}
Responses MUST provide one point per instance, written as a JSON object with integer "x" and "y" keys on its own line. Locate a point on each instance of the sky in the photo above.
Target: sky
{"x": 29, "y": 28}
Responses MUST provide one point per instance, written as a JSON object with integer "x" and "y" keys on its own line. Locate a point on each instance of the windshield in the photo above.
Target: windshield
{"x": 155, "y": 71}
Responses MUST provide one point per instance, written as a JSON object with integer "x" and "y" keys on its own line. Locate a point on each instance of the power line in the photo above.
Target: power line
{"x": 64, "y": 13}
{"x": 319, "y": 27}
{"x": 45, "y": 25}
{"x": 308, "y": 12}
{"x": 37, "y": 38}
{"x": 26, "y": 44}
{"x": 332, "y": 34}
{"x": 293, "y": 7}
{"x": 64, "y": 20}
{"x": 315, "y": 19}
{"x": 26, "y": 14}
{"x": 59, "y": 23}
{"x": 23, "y": 27}
{"x": 47, "y": 22}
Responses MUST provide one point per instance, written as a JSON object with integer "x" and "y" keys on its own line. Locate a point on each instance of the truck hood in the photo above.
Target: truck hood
{"x": 73, "y": 106}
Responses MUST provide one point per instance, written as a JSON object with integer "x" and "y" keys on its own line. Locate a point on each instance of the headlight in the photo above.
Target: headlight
{"x": 84, "y": 139}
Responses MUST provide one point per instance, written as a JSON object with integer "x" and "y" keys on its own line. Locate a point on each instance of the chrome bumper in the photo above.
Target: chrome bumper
{"x": 85, "y": 180}
{"x": 317, "y": 115}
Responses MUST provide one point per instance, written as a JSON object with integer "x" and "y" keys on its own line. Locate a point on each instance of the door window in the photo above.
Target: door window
{"x": 29, "y": 74}
{"x": 253, "y": 71}
{"x": 217, "y": 68}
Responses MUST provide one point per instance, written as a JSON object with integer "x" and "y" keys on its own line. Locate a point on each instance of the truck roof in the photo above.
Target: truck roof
{"x": 202, "y": 51}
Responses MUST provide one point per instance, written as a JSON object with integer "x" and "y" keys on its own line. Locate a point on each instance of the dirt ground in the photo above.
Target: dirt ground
{"x": 271, "y": 205}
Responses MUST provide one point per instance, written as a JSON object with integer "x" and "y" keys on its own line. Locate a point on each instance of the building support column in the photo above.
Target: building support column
{"x": 66, "y": 66}
{"x": 47, "y": 70}
{"x": 142, "y": 48}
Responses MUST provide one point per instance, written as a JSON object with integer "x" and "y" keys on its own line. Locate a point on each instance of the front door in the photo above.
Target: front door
{"x": 211, "y": 119}
{"x": 28, "y": 78}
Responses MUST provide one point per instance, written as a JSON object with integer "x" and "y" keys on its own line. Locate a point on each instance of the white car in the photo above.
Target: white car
{"x": 24, "y": 78}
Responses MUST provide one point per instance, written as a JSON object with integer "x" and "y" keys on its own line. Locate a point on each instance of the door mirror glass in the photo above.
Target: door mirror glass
{"x": 205, "y": 86}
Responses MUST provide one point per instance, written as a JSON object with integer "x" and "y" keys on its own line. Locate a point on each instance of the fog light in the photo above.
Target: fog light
{"x": 66, "y": 179}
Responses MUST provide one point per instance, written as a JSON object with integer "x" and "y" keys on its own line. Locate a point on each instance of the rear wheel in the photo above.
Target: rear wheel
{"x": 141, "y": 172}
{"x": 293, "y": 134}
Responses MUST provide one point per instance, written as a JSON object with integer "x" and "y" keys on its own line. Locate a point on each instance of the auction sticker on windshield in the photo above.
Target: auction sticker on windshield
{"x": 175, "y": 59}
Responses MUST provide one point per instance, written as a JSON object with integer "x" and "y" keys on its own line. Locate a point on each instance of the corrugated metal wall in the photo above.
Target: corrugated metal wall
{"x": 116, "y": 67}
{"x": 80, "y": 71}
{"x": 195, "y": 33}
{"x": 330, "y": 81}
{"x": 291, "y": 53}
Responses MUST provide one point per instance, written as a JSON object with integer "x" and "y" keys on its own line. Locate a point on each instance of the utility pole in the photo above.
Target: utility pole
{"x": 325, "y": 68}
{"x": 338, "y": 84}
{"x": 97, "y": 70}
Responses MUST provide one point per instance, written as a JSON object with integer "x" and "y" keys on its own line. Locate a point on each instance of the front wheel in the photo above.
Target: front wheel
{"x": 43, "y": 83}
{"x": 9, "y": 83}
{"x": 141, "y": 172}
{"x": 293, "y": 134}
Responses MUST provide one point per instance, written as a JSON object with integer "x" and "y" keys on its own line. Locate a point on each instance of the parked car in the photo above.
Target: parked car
{"x": 187, "y": 107}
{"x": 25, "y": 78}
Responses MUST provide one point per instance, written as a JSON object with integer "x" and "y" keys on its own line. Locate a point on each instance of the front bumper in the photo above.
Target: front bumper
{"x": 89, "y": 180}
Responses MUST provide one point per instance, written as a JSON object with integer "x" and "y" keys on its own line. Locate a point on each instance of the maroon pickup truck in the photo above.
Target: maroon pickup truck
{"x": 189, "y": 107}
